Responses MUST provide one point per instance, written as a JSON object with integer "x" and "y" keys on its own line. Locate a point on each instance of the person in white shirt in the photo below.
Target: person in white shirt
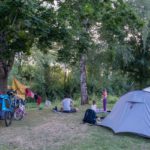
{"x": 94, "y": 107}
{"x": 47, "y": 103}
{"x": 67, "y": 105}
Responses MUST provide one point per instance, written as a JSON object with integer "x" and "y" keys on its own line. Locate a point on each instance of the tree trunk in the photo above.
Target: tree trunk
{"x": 5, "y": 67}
{"x": 83, "y": 84}
{"x": 65, "y": 76}
{"x": 3, "y": 85}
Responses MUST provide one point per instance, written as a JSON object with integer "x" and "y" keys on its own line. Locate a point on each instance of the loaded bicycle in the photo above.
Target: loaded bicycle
{"x": 19, "y": 109}
{"x": 11, "y": 107}
{"x": 6, "y": 109}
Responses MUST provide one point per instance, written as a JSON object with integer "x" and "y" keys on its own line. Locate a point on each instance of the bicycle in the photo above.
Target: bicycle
{"x": 19, "y": 110}
{"x": 6, "y": 108}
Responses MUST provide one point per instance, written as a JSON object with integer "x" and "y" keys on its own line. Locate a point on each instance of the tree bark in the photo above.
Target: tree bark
{"x": 3, "y": 85}
{"x": 5, "y": 63}
{"x": 5, "y": 67}
{"x": 83, "y": 84}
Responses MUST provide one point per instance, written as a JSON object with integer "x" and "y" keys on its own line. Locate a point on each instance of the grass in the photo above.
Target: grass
{"x": 111, "y": 101}
{"x": 45, "y": 130}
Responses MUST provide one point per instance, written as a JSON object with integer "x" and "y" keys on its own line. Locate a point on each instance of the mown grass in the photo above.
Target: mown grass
{"x": 100, "y": 138}
{"x": 103, "y": 139}
{"x": 46, "y": 130}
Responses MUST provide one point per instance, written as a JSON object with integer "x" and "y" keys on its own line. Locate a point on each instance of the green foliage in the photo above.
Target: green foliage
{"x": 24, "y": 23}
{"x": 137, "y": 68}
{"x": 112, "y": 99}
{"x": 115, "y": 22}
{"x": 13, "y": 31}
{"x": 133, "y": 56}
{"x": 77, "y": 40}
{"x": 43, "y": 75}
{"x": 110, "y": 33}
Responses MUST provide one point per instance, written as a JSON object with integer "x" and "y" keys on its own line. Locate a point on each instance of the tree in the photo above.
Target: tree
{"x": 109, "y": 19}
{"x": 77, "y": 39}
{"x": 22, "y": 24}
{"x": 133, "y": 60}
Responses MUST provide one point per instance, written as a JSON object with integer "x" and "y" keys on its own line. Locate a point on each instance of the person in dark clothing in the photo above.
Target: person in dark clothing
{"x": 38, "y": 99}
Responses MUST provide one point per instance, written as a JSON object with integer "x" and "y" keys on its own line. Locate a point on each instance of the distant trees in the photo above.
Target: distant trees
{"x": 106, "y": 35}
{"x": 111, "y": 21}
{"x": 136, "y": 63}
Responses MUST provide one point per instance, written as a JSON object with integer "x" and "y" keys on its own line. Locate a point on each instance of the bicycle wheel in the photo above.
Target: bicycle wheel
{"x": 8, "y": 118}
{"x": 18, "y": 114}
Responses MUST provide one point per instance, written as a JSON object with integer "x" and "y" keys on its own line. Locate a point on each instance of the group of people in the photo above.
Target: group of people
{"x": 104, "y": 101}
{"x": 67, "y": 104}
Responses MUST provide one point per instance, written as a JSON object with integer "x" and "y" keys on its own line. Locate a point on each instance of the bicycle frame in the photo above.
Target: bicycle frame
{"x": 6, "y": 103}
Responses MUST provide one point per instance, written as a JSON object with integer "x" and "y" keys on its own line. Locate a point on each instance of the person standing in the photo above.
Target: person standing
{"x": 38, "y": 99}
{"x": 104, "y": 99}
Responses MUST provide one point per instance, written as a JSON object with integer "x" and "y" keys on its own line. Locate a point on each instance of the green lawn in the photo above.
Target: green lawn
{"x": 46, "y": 130}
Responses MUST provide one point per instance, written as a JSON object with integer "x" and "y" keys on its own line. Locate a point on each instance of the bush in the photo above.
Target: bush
{"x": 112, "y": 99}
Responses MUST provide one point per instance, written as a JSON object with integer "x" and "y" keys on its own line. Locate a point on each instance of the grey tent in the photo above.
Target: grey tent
{"x": 147, "y": 89}
{"x": 131, "y": 113}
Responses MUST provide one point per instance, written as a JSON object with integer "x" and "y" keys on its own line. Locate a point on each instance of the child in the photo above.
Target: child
{"x": 94, "y": 107}
{"x": 104, "y": 99}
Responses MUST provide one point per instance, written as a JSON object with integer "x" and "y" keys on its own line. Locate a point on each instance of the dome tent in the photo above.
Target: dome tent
{"x": 147, "y": 89}
{"x": 131, "y": 113}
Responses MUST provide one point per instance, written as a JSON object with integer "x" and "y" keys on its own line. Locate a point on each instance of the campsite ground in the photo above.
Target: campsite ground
{"x": 45, "y": 130}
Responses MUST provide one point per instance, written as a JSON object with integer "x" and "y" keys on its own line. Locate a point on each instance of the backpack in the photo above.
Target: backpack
{"x": 89, "y": 116}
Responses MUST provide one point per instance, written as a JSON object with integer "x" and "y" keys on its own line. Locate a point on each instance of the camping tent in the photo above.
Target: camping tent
{"x": 147, "y": 89}
{"x": 131, "y": 113}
